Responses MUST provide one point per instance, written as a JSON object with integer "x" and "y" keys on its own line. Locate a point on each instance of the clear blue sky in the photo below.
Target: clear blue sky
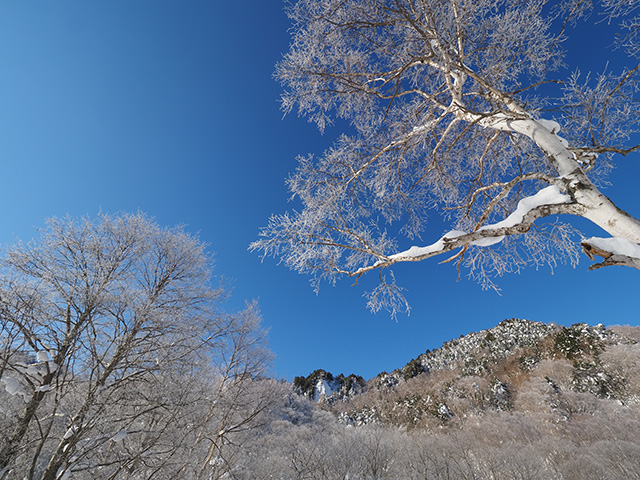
{"x": 170, "y": 108}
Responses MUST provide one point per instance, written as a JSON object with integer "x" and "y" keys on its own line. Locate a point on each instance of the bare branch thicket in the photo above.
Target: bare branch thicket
{"x": 115, "y": 354}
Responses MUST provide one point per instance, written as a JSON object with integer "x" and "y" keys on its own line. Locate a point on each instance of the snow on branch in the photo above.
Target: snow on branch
{"x": 13, "y": 387}
{"x": 547, "y": 196}
{"x": 528, "y": 210}
{"x": 614, "y": 251}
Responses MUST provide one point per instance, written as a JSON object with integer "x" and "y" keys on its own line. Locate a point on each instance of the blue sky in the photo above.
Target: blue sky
{"x": 170, "y": 108}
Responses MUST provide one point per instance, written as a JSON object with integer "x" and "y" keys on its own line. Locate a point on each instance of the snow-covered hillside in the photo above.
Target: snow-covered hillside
{"x": 489, "y": 370}
{"x": 521, "y": 400}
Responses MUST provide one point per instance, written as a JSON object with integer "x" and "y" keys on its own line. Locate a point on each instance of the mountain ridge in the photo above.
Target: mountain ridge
{"x": 488, "y": 370}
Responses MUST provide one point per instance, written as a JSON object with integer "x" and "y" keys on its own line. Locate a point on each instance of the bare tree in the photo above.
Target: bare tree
{"x": 238, "y": 401}
{"x": 457, "y": 105}
{"x": 111, "y": 344}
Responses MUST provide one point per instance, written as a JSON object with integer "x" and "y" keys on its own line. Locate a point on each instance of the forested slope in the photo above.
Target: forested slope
{"x": 522, "y": 400}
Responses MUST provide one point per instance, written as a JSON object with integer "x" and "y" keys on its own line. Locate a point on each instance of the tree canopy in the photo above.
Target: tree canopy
{"x": 459, "y": 106}
{"x": 116, "y": 359}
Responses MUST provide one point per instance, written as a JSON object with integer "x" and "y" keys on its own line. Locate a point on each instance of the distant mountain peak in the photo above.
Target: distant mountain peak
{"x": 322, "y": 386}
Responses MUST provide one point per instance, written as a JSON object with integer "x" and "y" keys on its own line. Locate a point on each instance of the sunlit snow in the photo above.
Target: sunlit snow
{"x": 551, "y": 125}
{"x": 615, "y": 245}
{"x": 323, "y": 389}
{"x": 547, "y": 196}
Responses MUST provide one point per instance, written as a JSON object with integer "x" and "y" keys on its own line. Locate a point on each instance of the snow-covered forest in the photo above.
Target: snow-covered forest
{"x": 523, "y": 400}
{"x": 118, "y": 362}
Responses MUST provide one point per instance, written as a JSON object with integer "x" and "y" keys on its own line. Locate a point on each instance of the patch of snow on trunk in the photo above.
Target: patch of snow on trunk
{"x": 13, "y": 387}
{"x": 42, "y": 356}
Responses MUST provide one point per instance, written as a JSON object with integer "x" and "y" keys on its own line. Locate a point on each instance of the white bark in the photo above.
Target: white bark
{"x": 595, "y": 206}
{"x": 584, "y": 198}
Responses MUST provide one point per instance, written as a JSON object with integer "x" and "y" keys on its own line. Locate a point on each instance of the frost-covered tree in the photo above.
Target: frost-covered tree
{"x": 461, "y": 106}
{"x": 116, "y": 360}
